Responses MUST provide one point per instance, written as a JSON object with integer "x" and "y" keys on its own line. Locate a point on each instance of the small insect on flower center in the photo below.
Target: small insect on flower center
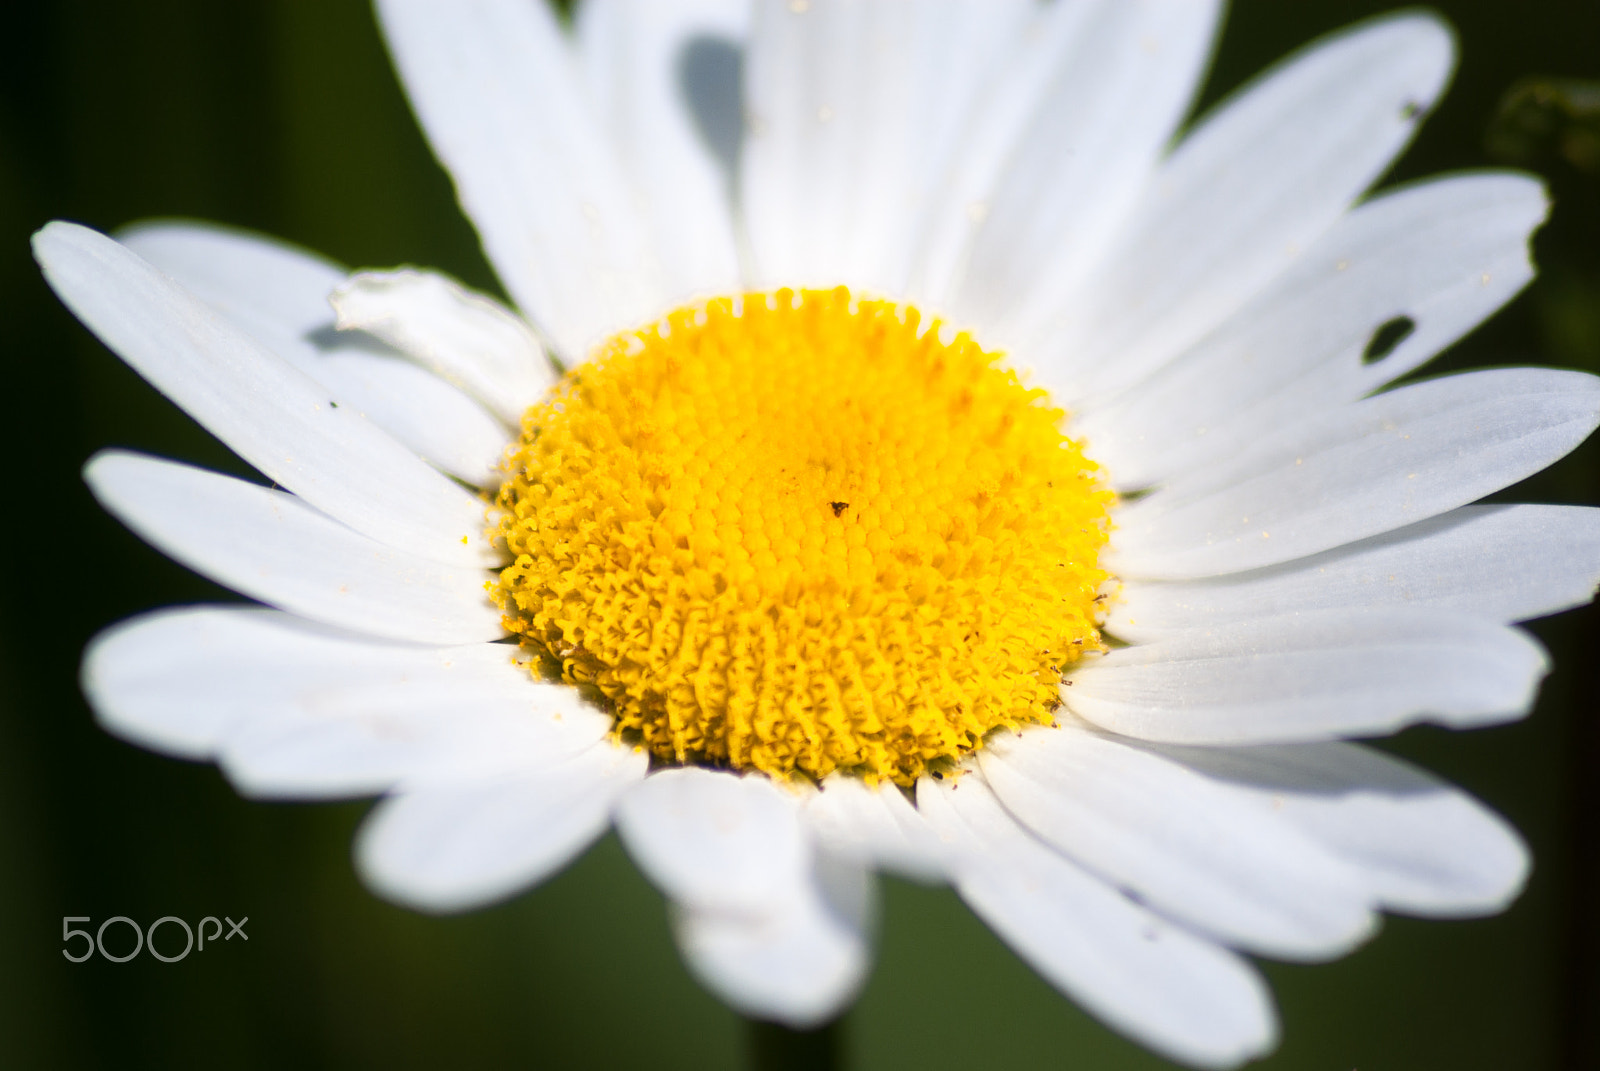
{"x": 797, "y": 532}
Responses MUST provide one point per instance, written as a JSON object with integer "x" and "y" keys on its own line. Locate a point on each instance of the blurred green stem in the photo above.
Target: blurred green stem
{"x": 778, "y": 1048}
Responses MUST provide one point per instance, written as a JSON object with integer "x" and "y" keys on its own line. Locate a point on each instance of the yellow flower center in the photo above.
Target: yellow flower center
{"x": 799, "y": 533}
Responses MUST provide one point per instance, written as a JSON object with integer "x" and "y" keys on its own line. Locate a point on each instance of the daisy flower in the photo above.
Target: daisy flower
{"x": 908, "y": 452}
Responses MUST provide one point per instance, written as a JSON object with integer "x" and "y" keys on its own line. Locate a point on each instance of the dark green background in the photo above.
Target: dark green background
{"x": 284, "y": 116}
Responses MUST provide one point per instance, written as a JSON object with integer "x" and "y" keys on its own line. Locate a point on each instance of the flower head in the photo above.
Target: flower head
{"x": 770, "y": 554}
{"x": 898, "y": 459}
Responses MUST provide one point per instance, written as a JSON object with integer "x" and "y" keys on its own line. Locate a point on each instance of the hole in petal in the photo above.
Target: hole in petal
{"x": 1388, "y": 335}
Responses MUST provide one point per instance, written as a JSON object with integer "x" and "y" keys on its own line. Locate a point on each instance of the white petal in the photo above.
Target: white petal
{"x": 360, "y": 743}
{"x": 1312, "y": 677}
{"x": 273, "y": 547}
{"x": 278, "y": 295}
{"x": 713, "y": 840}
{"x": 1421, "y": 846}
{"x": 1119, "y": 79}
{"x": 468, "y": 339}
{"x": 495, "y": 87}
{"x": 665, "y": 80}
{"x": 1360, "y": 470}
{"x": 801, "y": 962}
{"x": 1186, "y": 846}
{"x": 1180, "y": 995}
{"x": 1503, "y": 563}
{"x": 857, "y": 110}
{"x": 273, "y": 416}
{"x": 142, "y": 677}
{"x": 461, "y": 714}
{"x": 1241, "y": 198}
{"x": 296, "y": 709}
{"x": 424, "y": 413}
{"x": 241, "y": 272}
{"x": 874, "y": 827}
{"x": 459, "y": 845}
{"x": 1444, "y": 255}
